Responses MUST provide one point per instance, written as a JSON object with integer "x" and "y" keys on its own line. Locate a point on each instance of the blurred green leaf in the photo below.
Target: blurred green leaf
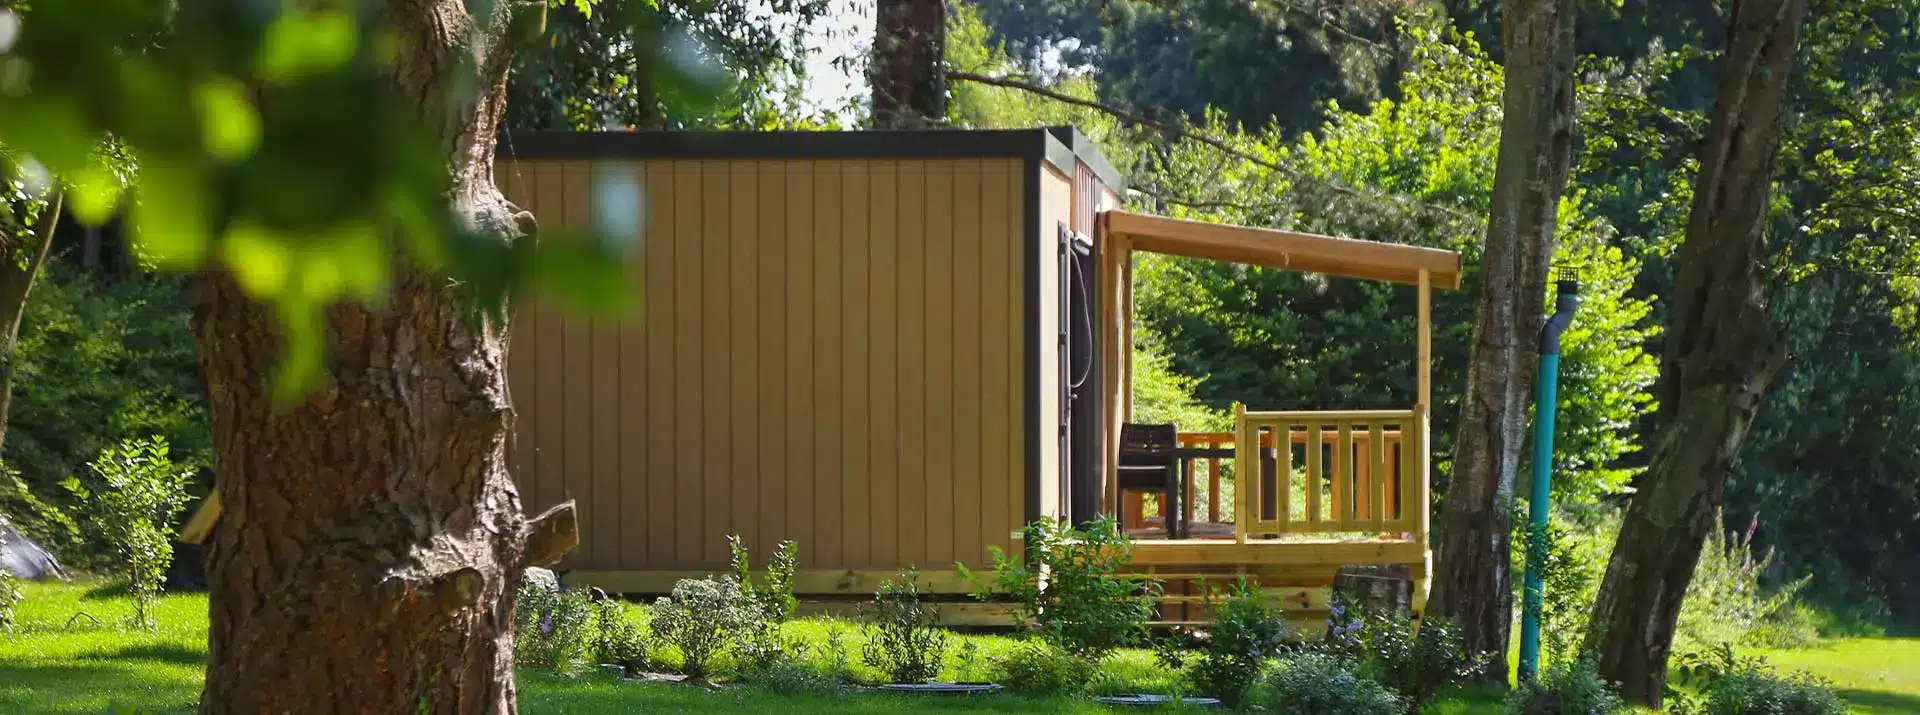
{"x": 172, "y": 215}
{"x": 93, "y": 192}
{"x": 231, "y": 127}
{"x": 301, "y": 323}
{"x": 580, "y": 272}
{"x": 259, "y": 259}
{"x": 304, "y": 44}
{"x": 50, "y": 130}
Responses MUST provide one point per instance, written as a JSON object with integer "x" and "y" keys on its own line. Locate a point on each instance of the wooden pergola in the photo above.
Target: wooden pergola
{"x": 1121, "y": 233}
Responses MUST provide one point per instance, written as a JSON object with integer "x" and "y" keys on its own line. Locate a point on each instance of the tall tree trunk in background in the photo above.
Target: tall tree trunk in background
{"x": 908, "y": 72}
{"x": 1471, "y": 583}
{"x": 20, "y": 260}
{"x": 370, "y": 542}
{"x": 1721, "y": 355}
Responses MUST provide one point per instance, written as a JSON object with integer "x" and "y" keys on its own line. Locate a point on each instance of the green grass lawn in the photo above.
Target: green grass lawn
{"x": 52, "y": 663}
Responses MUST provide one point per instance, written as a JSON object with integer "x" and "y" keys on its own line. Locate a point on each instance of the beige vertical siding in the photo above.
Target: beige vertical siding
{"x": 830, "y": 351}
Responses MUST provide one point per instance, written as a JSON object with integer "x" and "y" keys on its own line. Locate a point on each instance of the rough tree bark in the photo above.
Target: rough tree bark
{"x": 1721, "y": 355}
{"x": 370, "y": 541}
{"x": 908, "y": 72}
{"x": 20, "y": 260}
{"x": 1471, "y": 583}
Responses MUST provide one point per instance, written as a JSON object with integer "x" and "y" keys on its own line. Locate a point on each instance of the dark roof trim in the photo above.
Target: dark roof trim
{"x": 1057, "y": 145}
{"x": 1082, "y": 146}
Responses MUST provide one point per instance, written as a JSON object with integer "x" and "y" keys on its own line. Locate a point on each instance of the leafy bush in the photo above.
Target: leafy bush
{"x": 1727, "y": 604}
{"x": 1246, "y": 632}
{"x": 838, "y": 657}
{"x": 10, "y": 596}
{"x": 904, "y": 639}
{"x": 618, "y": 638}
{"x": 1319, "y": 684}
{"x": 554, "y": 628}
{"x": 1570, "y": 687}
{"x": 140, "y": 493}
{"x": 1412, "y": 658}
{"x": 1043, "y": 669}
{"x": 1732, "y": 685}
{"x": 788, "y": 676}
{"x": 1073, "y": 587}
{"x": 42, "y": 521}
{"x": 700, "y": 618}
{"x": 769, "y": 605}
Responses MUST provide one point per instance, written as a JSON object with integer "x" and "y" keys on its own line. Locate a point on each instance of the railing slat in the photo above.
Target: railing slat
{"x": 1213, "y": 482}
{"x": 1345, "y": 495}
{"x": 1377, "y": 487}
{"x": 1314, "y": 473}
{"x": 1283, "y": 472}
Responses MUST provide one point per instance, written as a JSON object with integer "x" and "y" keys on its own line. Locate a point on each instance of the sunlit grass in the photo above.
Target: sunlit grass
{"x": 54, "y": 661}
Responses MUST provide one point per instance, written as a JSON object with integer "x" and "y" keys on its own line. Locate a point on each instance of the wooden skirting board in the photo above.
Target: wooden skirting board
{"x": 815, "y": 582}
{"x": 1252, "y": 553}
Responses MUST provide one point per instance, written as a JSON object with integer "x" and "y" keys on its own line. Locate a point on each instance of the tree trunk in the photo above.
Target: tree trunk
{"x": 20, "y": 262}
{"x": 1471, "y": 585}
{"x": 1721, "y": 355}
{"x": 908, "y": 73}
{"x": 370, "y": 541}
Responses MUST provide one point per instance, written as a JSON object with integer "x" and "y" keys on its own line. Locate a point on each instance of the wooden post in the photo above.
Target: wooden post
{"x": 1244, "y": 449}
{"x": 1423, "y": 482}
{"x": 1114, "y": 352}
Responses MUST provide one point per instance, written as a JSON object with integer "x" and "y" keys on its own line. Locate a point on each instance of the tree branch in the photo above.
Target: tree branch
{"x": 1182, "y": 130}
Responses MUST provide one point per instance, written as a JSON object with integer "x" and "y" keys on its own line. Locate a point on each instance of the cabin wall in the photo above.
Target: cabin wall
{"x": 824, "y": 350}
{"x": 1056, "y": 207}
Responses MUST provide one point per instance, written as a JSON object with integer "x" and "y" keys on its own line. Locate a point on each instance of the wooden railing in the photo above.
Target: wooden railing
{"x": 1352, "y": 471}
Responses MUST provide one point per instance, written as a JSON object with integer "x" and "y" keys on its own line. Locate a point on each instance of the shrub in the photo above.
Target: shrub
{"x": 1412, "y": 658}
{"x": 618, "y": 638}
{"x": 1247, "y": 631}
{"x": 1073, "y": 587}
{"x": 903, "y": 639}
{"x": 1727, "y": 604}
{"x": 1732, "y": 685}
{"x": 768, "y": 605}
{"x": 10, "y": 596}
{"x": 788, "y": 676}
{"x": 700, "y": 619}
{"x": 1319, "y": 684}
{"x": 140, "y": 493}
{"x": 1043, "y": 669}
{"x": 1570, "y": 687}
{"x": 554, "y": 629}
{"x": 838, "y": 657}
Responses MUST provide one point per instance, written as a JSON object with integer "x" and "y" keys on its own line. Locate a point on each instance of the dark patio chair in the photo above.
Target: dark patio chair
{"x": 1148, "y": 463}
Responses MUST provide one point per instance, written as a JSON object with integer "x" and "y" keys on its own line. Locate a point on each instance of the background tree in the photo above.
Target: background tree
{"x": 1721, "y": 355}
{"x": 329, "y": 173}
{"x": 1471, "y": 581}
{"x": 907, "y": 71}
{"x": 29, "y": 211}
{"x": 595, "y": 69}
{"x": 1263, "y": 62}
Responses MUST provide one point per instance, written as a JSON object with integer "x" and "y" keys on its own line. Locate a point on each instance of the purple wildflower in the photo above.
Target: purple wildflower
{"x": 546, "y": 623}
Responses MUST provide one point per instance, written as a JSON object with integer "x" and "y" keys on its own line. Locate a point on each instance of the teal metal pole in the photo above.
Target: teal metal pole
{"x": 1546, "y": 400}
